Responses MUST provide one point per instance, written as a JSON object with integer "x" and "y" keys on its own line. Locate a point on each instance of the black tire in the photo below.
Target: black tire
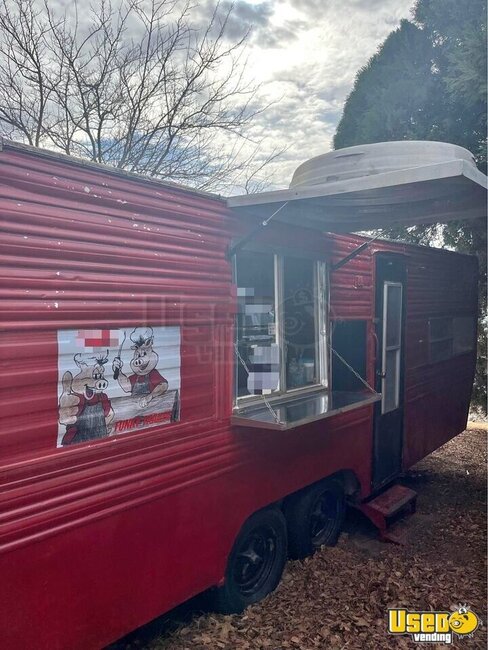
{"x": 255, "y": 563}
{"x": 314, "y": 517}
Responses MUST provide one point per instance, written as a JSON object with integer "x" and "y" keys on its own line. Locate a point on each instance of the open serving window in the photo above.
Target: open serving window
{"x": 281, "y": 346}
{"x": 282, "y": 377}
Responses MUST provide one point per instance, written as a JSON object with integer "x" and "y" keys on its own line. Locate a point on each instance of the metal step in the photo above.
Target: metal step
{"x": 387, "y": 508}
{"x": 396, "y": 534}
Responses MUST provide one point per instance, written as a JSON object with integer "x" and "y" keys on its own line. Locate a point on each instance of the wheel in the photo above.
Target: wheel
{"x": 314, "y": 517}
{"x": 255, "y": 563}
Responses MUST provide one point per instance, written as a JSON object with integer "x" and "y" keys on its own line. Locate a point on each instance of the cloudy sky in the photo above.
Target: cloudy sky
{"x": 305, "y": 53}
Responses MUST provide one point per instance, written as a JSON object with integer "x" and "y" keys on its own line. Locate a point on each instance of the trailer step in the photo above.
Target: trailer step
{"x": 396, "y": 534}
{"x": 387, "y": 508}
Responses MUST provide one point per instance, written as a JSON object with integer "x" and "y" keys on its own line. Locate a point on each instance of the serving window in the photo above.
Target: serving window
{"x": 280, "y": 333}
{"x": 257, "y": 348}
{"x": 300, "y": 313}
{"x": 282, "y": 343}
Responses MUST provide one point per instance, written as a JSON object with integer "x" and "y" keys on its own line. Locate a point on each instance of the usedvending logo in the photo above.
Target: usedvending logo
{"x": 434, "y": 627}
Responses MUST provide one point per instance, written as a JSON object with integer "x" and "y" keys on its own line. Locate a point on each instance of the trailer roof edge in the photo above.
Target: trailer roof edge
{"x": 6, "y": 144}
{"x": 432, "y": 193}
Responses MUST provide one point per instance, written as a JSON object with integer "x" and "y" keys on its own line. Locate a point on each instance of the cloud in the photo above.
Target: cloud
{"x": 317, "y": 8}
{"x": 306, "y": 55}
{"x": 279, "y": 36}
{"x": 242, "y": 17}
{"x": 259, "y": 20}
{"x": 246, "y": 17}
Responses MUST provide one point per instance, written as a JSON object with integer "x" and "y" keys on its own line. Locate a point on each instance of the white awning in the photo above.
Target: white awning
{"x": 424, "y": 194}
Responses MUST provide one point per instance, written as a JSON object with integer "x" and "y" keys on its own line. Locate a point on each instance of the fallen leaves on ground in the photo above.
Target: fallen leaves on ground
{"x": 339, "y": 598}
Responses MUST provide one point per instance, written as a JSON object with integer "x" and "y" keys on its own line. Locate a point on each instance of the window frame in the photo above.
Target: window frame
{"x": 396, "y": 348}
{"x": 451, "y": 337}
{"x": 321, "y": 303}
{"x": 457, "y": 350}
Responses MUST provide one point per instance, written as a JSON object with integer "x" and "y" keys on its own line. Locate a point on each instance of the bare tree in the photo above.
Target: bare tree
{"x": 132, "y": 84}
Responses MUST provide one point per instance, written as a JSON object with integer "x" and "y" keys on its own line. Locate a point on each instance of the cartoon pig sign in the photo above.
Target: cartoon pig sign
{"x": 84, "y": 408}
{"x": 145, "y": 382}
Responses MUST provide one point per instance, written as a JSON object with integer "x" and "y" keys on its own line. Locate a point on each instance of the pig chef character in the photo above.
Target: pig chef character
{"x": 146, "y": 382}
{"x": 83, "y": 406}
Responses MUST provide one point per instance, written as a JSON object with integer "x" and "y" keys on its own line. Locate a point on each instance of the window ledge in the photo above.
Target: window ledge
{"x": 297, "y": 411}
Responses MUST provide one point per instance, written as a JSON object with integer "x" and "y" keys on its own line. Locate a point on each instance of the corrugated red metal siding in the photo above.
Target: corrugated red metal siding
{"x": 351, "y": 286}
{"x": 439, "y": 283}
{"x": 98, "y": 538}
{"x": 83, "y": 248}
{"x": 78, "y": 248}
{"x": 437, "y": 395}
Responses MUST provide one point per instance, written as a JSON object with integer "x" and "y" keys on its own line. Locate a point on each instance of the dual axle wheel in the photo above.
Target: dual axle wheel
{"x": 310, "y": 518}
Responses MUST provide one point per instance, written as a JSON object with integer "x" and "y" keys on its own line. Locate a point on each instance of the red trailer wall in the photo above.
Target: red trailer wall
{"x": 437, "y": 395}
{"x": 98, "y": 538}
{"x": 439, "y": 283}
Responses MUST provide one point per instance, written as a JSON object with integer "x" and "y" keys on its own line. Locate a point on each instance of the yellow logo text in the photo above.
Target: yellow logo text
{"x": 430, "y": 627}
{"x": 401, "y": 621}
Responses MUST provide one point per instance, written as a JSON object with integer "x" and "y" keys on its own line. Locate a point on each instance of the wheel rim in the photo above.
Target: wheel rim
{"x": 255, "y": 559}
{"x": 323, "y": 517}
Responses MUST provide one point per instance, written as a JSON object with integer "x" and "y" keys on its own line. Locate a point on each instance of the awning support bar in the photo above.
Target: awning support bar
{"x": 353, "y": 254}
{"x": 243, "y": 241}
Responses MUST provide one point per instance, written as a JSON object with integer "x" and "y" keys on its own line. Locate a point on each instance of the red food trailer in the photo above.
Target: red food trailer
{"x": 193, "y": 387}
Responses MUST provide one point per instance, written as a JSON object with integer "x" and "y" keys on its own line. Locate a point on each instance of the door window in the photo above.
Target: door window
{"x": 392, "y": 342}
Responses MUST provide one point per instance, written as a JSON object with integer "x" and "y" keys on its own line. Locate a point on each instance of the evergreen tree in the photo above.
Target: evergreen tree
{"x": 392, "y": 94}
{"x": 428, "y": 82}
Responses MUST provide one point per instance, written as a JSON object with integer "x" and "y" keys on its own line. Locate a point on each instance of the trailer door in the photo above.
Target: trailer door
{"x": 389, "y": 313}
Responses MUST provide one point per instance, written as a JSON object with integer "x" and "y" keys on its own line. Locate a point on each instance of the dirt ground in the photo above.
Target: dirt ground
{"x": 339, "y": 598}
